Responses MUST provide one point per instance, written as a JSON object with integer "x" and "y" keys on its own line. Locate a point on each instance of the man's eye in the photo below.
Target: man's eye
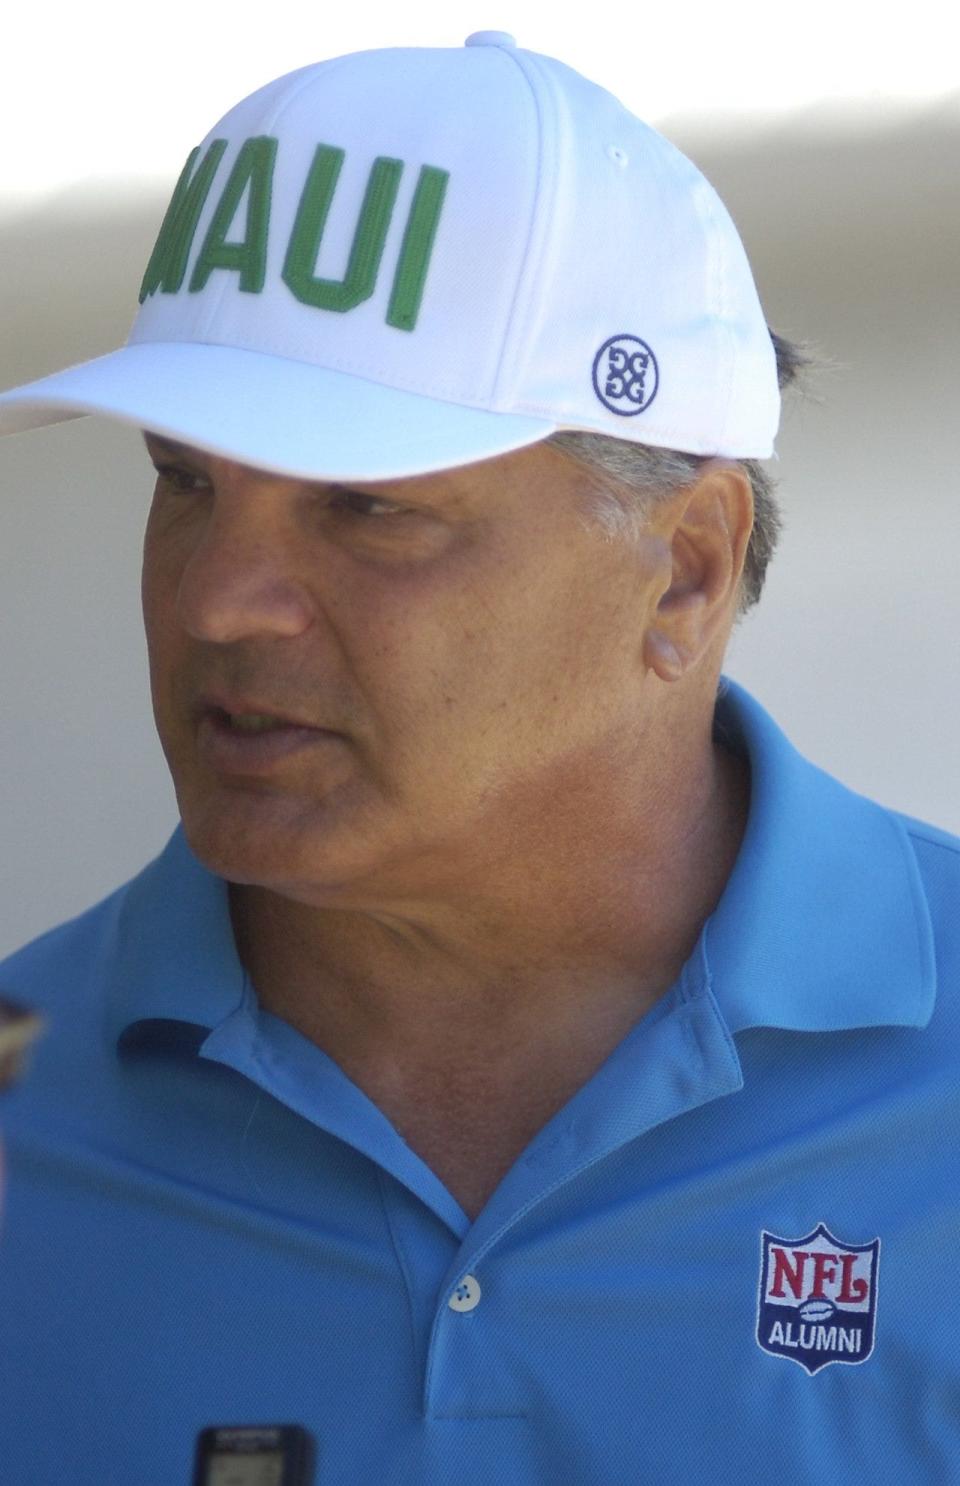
{"x": 349, "y": 502}
{"x": 355, "y": 503}
{"x": 180, "y": 479}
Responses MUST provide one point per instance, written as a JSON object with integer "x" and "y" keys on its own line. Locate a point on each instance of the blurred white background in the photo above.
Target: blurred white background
{"x": 833, "y": 138}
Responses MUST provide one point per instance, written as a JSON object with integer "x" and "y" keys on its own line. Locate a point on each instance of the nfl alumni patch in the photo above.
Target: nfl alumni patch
{"x": 817, "y": 1298}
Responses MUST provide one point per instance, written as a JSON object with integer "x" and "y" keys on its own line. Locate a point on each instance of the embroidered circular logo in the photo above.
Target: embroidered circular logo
{"x": 625, "y": 375}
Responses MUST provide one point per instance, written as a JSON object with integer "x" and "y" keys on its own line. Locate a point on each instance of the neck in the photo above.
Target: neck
{"x": 603, "y": 932}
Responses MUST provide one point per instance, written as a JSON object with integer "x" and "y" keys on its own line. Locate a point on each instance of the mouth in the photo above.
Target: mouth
{"x": 230, "y": 706}
{"x": 245, "y": 744}
{"x": 253, "y": 724}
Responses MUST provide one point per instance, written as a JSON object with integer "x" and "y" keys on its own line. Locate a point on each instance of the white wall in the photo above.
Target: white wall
{"x": 853, "y": 235}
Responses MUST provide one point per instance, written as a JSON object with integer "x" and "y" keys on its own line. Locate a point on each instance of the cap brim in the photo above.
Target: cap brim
{"x": 285, "y": 416}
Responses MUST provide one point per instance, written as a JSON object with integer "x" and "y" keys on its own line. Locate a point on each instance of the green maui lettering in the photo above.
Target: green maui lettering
{"x": 253, "y": 170}
{"x": 368, "y": 239}
{"x": 254, "y": 167}
{"x": 168, "y": 261}
{"x": 411, "y": 275}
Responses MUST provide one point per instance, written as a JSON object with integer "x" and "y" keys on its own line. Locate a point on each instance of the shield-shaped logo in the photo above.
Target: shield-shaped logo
{"x": 817, "y": 1299}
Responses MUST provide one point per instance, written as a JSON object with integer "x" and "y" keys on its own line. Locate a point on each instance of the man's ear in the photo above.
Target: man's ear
{"x": 708, "y": 527}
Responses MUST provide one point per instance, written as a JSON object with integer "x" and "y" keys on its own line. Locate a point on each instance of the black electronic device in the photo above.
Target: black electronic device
{"x": 19, "y": 1028}
{"x": 254, "y": 1455}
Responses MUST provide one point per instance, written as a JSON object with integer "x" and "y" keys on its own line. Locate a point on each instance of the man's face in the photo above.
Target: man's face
{"x": 473, "y": 648}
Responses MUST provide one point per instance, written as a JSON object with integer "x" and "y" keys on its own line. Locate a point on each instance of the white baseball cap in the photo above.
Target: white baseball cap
{"x": 404, "y": 260}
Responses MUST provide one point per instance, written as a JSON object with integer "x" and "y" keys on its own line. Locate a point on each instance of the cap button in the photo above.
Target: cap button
{"x": 491, "y": 38}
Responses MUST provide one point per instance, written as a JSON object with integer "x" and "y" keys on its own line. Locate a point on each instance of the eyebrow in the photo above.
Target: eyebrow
{"x": 170, "y": 445}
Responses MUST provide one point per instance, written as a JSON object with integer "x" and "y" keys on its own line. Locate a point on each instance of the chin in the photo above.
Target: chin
{"x": 302, "y": 849}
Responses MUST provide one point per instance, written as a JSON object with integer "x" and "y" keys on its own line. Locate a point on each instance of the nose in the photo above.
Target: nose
{"x": 245, "y": 572}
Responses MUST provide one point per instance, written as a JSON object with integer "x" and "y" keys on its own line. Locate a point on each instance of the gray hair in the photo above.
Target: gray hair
{"x": 650, "y": 475}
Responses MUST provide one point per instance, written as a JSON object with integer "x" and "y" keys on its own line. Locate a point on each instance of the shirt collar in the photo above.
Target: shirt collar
{"x": 170, "y": 955}
{"x": 823, "y": 924}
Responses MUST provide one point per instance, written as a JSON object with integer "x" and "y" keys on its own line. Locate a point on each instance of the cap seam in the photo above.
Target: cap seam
{"x": 267, "y": 124}
{"x": 658, "y": 435}
{"x": 364, "y": 370}
{"x": 705, "y": 206}
{"x": 520, "y": 407}
{"x": 526, "y": 266}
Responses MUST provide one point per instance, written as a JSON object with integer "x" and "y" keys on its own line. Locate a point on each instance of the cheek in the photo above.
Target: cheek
{"x": 434, "y": 662}
{"x": 477, "y": 676}
{"x": 166, "y": 656}
{"x": 562, "y": 662}
{"x": 153, "y": 582}
{"x": 156, "y": 602}
{"x": 167, "y": 545}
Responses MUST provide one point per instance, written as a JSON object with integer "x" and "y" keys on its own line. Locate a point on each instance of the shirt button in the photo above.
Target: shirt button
{"x": 467, "y": 1294}
{"x": 491, "y": 38}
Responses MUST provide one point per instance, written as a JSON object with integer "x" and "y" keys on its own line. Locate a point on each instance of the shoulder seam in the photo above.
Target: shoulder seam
{"x": 919, "y": 835}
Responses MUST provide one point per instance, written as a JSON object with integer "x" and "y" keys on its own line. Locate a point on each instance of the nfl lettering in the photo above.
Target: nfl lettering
{"x": 817, "y": 1298}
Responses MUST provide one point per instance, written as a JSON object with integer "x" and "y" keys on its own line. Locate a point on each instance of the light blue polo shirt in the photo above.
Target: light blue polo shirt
{"x": 731, "y": 1257}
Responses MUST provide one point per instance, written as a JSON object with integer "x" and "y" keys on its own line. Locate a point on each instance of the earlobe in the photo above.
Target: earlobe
{"x": 662, "y": 656}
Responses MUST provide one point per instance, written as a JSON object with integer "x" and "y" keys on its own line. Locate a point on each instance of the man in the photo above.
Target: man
{"x": 520, "y": 1064}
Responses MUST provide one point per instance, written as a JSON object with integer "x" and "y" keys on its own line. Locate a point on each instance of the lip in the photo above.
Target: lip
{"x": 253, "y": 753}
{"x": 221, "y": 702}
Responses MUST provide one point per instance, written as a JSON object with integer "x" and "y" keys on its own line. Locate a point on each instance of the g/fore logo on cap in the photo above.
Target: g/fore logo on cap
{"x": 253, "y": 170}
{"x": 817, "y": 1299}
{"x": 625, "y": 375}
